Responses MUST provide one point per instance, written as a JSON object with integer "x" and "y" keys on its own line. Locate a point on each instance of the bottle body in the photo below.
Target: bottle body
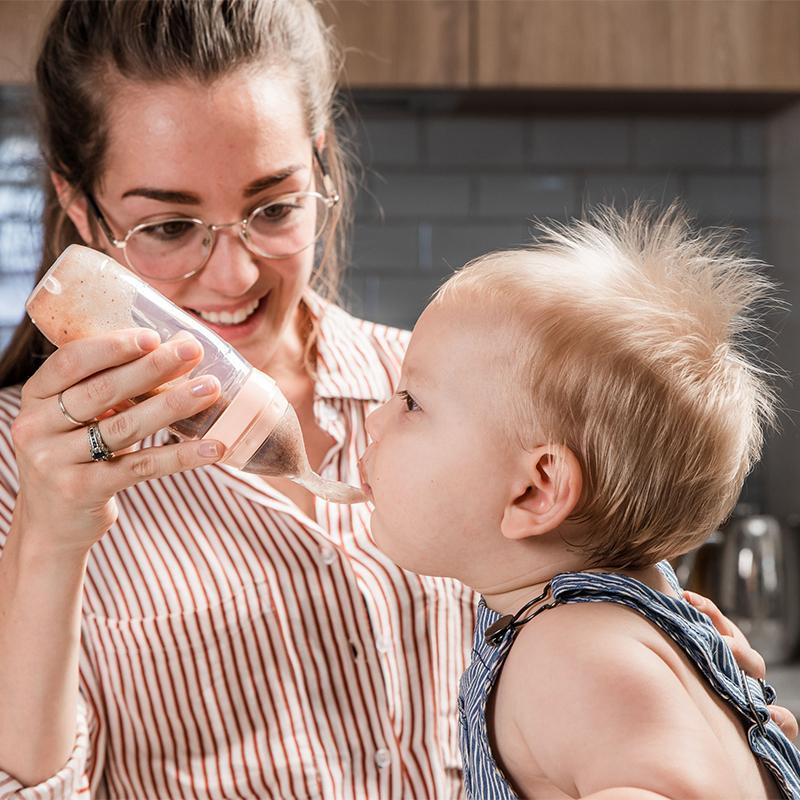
{"x": 85, "y": 293}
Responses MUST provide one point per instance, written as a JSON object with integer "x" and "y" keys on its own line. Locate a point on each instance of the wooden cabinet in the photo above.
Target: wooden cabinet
{"x": 404, "y": 43}
{"x": 647, "y": 45}
{"x": 21, "y": 26}
{"x": 691, "y": 45}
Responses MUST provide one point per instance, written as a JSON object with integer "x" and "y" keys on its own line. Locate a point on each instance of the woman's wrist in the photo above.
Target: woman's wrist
{"x": 31, "y": 551}
{"x": 38, "y": 543}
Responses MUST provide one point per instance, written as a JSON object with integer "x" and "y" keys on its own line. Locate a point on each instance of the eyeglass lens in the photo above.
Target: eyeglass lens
{"x": 173, "y": 248}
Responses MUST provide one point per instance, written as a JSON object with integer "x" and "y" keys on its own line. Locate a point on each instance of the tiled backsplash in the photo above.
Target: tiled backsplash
{"x": 20, "y": 206}
{"x": 443, "y": 189}
{"x": 440, "y": 187}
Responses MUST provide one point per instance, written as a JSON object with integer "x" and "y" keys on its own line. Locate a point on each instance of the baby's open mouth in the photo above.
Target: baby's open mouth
{"x": 365, "y": 487}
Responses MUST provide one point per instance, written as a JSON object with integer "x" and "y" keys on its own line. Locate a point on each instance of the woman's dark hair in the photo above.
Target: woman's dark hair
{"x": 90, "y": 44}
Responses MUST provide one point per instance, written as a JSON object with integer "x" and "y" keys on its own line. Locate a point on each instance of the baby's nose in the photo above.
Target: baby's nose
{"x": 373, "y": 422}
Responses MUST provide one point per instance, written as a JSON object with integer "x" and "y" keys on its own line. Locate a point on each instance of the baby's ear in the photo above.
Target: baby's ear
{"x": 549, "y": 494}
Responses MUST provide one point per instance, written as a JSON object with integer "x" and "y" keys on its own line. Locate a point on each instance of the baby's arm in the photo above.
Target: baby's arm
{"x": 603, "y": 715}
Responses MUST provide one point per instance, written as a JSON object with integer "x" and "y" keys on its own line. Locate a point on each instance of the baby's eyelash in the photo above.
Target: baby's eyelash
{"x": 411, "y": 403}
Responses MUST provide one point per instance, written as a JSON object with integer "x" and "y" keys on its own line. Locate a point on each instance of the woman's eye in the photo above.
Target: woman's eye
{"x": 410, "y": 403}
{"x": 170, "y": 230}
{"x": 276, "y": 212}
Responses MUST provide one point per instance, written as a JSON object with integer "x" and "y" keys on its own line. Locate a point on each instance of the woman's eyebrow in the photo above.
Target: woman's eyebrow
{"x": 267, "y": 182}
{"x": 164, "y": 195}
{"x": 191, "y": 199}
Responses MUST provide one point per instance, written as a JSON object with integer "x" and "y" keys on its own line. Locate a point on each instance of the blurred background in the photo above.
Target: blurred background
{"x": 472, "y": 117}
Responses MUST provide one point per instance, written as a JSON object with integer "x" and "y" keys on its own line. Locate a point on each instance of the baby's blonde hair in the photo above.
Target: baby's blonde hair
{"x": 629, "y": 338}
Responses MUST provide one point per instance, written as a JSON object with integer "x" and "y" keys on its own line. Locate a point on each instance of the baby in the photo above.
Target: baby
{"x": 569, "y": 415}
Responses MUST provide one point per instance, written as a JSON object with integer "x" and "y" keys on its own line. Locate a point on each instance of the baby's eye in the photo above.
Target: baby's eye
{"x": 411, "y": 403}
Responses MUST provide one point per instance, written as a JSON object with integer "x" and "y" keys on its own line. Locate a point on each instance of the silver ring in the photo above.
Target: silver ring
{"x": 98, "y": 449}
{"x": 76, "y": 422}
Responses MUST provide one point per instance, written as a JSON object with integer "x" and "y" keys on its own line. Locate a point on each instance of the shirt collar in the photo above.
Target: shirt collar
{"x": 348, "y": 362}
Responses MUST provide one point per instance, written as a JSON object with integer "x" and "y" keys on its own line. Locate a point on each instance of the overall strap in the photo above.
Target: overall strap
{"x": 497, "y": 631}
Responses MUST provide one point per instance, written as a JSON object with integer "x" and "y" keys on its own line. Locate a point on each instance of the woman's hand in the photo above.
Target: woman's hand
{"x": 66, "y": 500}
{"x": 748, "y": 659}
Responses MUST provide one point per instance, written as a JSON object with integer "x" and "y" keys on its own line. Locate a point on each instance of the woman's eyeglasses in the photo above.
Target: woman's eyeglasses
{"x": 176, "y": 248}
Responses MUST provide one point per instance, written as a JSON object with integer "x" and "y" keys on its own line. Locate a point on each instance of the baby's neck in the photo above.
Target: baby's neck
{"x": 511, "y": 593}
{"x": 509, "y": 598}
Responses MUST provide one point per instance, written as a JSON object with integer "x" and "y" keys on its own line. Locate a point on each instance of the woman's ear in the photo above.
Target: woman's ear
{"x": 74, "y": 205}
{"x": 550, "y": 493}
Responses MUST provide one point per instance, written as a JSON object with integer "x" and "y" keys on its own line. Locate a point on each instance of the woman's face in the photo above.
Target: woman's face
{"x": 216, "y": 153}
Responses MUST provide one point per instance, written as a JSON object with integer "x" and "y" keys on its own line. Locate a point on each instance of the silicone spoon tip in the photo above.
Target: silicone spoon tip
{"x": 333, "y": 491}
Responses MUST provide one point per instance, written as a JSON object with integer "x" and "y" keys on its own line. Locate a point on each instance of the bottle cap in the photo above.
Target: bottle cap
{"x": 249, "y": 419}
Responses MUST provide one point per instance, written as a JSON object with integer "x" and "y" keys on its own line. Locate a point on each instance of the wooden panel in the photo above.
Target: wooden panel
{"x": 403, "y": 43}
{"x": 21, "y": 26}
{"x": 388, "y": 43}
{"x": 712, "y": 45}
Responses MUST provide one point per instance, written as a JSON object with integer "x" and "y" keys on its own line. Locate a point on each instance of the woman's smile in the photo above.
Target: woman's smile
{"x": 234, "y": 322}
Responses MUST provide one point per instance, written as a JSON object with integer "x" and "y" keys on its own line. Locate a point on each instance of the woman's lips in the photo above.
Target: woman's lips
{"x": 241, "y": 330}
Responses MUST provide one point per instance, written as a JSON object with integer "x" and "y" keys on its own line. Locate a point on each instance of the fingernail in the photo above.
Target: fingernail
{"x": 693, "y": 598}
{"x": 778, "y": 717}
{"x": 210, "y": 449}
{"x": 188, "y": 350}
{"x": 203, "y": 386}
{"x": 147, "y": 340}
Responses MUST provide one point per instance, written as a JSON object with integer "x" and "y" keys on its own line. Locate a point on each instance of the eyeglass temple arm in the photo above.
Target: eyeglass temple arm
{"x": 98, "y": 214}
{"x": 327, "y": 181}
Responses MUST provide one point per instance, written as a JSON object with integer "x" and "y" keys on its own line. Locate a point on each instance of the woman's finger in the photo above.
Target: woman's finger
{"x": 77, "y": 360}
{"x": 785, "y": 720}
{"x": 151, "y": 463}
{"x": 112, "y": 387}
{"x": 718, "y": 619}
{"x": 751, "y": 661}
{"x": 124, "y": 429}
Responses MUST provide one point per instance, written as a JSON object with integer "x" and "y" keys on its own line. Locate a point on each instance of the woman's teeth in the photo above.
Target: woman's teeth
{"x": 229, "y": 317}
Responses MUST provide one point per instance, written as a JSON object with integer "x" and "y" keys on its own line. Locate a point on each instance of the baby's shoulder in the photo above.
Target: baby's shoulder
{"x": 593, "y": 649}
{"x": 598, "y": 696}
{"x": 583, "y": 624}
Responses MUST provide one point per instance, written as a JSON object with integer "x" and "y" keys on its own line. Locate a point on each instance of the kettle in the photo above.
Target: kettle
{"x": 751, "y": 570}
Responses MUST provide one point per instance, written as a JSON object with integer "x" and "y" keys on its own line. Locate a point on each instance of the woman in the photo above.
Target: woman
{"x": 170, "y": 627}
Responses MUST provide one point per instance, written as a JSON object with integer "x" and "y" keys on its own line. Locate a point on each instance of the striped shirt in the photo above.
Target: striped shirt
{"x": 233, "y": 647}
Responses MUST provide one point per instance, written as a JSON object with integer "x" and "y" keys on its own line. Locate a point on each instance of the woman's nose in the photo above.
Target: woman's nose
{"x": 230, "y": 269}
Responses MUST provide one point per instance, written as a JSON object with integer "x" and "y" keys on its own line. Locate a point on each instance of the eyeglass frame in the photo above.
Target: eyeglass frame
{"x": 330, "y": 199}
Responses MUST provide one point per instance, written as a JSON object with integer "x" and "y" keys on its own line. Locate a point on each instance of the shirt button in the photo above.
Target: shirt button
{"x": 383, "y": 758}
{"x": 328, "y": 555}
{"x": 382, "y": 644}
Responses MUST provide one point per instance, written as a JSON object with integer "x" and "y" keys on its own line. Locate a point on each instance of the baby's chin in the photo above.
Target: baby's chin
{"x": 385, "y": 540}
{"x": 418, "y": 563}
